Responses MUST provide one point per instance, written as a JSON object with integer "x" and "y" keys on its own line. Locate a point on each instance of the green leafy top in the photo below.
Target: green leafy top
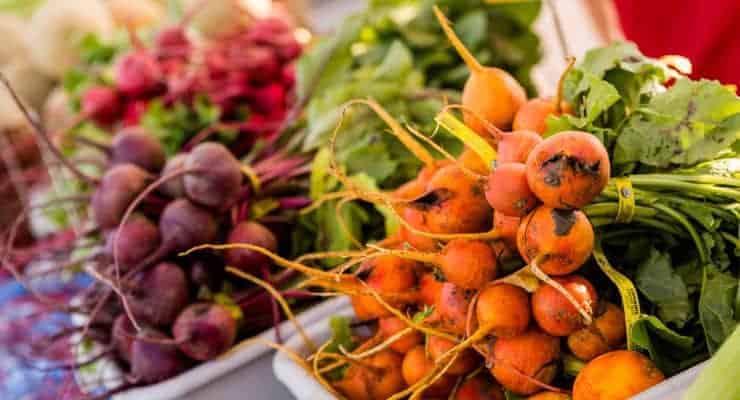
{"x": 396, "y": 53}
{"x": 619, "y": 95}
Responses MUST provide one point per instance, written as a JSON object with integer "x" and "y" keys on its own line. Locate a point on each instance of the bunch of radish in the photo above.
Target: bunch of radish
{"x": 159, "y": 313}
{"x": 479, "y": 292}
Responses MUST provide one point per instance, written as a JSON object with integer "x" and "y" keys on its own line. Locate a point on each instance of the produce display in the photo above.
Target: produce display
{"x": 205, "y": 131}
{"x": 589, "y": 253}
{"x": 170, "y": 145}
{"x": 395, "y": 53}
{"x": 213, "y": 175}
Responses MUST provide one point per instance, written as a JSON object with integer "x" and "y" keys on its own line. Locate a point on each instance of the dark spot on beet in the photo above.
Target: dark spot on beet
{"x": 563, "y": 221}
{"x": 432, "y": 199}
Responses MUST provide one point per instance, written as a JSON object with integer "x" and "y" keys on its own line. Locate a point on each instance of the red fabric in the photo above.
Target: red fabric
{"x": 705, "y": 31}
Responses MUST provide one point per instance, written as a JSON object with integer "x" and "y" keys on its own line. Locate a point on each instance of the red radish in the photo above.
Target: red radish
{"x": 554, "y": 313}
{"x": 559, "y": 241}
{"x": 118, "y": 188}
{"x": 137, "y": 239}
{"x": 214, "y": 176}
{"x": 153, "y": 361}
{"x": 204, "y": 331}
{"x": 251, "y": 233}
{"x": 507, "y": 190}
{"x": 568, "y": 169}
{"x": 102, "y": 104}
{"x": 173, "y": 42}
{"x": 138, "y": 74}
{"x": 133, "y": 112}
{"x": 158, "y": 295}
{"x": 268, "y": 98}
{"x": 137, "y": 146}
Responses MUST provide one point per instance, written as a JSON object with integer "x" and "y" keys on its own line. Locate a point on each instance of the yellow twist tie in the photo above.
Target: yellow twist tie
{"x": 626, "y": 207}
{"x": 627, "y": 291}
{"x": 252, "y": 176}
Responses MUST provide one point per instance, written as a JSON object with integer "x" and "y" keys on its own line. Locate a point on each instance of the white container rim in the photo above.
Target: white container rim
{"x": 203, "y": 374}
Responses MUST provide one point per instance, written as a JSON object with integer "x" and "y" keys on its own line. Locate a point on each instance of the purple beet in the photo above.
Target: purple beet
{"x": 214, "y": 176}
{"x": 153, "y": 362}
{"x": 118, "y": 188}
{"x": 175, "y": 187}
{"x": 123, "y": 337}
{"x": 250, "y": 233}
{"x": 137, "y": 239}
{"x": 204, "y": 331}
{"x": 136, "y": 146}
{"x": 184, "y": 225}
{"x": 159, "y": 294}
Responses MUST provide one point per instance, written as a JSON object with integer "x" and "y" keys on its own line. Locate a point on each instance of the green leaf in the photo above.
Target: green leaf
{"x": 717, "y": 306}
{"x": 664, "y": 345}
{"x": 397, "y": 63}
{"x": 691, "y": 122}
{"x": 423, "y": 314}
{"x": 174, "y": 125}
{"x": 319, "y": 67}
{"x": 341, "y": 330}
{"x": 94, "y": 51}
{"x": 659, "y": 283}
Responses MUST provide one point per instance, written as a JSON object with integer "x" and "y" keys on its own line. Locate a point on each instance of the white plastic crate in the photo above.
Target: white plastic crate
{"x": 210, "y": 378}
{"x": 304, "y": 387}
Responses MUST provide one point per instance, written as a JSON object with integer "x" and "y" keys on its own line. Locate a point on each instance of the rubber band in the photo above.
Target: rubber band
{"x": 453, "y": 125}
{"x": 630, "y": 301}
{"x": 626, "y": 207}
{"x": 252, "y": 176}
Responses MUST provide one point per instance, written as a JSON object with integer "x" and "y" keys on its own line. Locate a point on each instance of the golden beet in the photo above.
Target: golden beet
{"x": 616, "y": 375}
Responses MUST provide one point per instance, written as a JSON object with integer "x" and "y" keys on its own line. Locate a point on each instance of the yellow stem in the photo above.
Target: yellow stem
{"x": 468, "y": 58}
{"x": 428, "y": 258}
{"x": 280, "y": 299}
{"x": 561, "y": 84}
{"x": 476, "y": 143}
{"x": 585, "y": 314}
{"x": 416, "y": 149}
{"x": 398, "y": 314}
{"x": 467, "y": 171}
{"x": 276, "y": 258}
